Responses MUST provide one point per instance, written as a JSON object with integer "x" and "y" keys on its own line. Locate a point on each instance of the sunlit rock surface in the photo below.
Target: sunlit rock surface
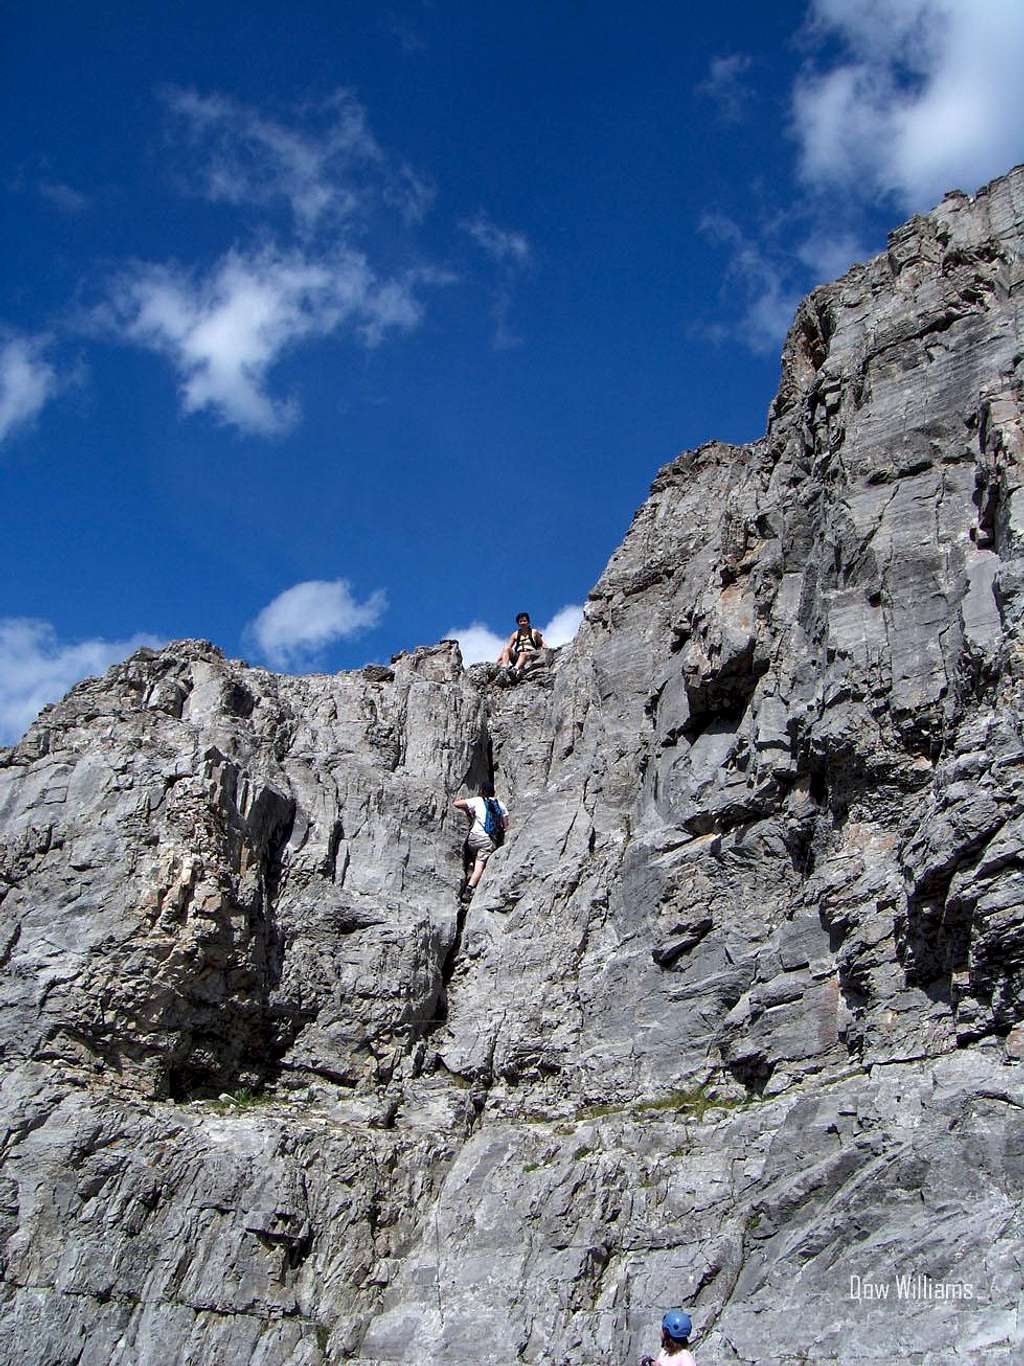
{"x": 736, "y": 1018}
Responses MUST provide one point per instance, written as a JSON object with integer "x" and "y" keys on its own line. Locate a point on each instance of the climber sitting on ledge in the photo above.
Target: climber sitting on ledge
{"x": 487, "y": 833}
{"x": 522, "y": 649}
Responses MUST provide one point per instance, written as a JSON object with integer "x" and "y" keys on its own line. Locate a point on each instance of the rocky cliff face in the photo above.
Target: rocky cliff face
{"x": 736, "y": 1018}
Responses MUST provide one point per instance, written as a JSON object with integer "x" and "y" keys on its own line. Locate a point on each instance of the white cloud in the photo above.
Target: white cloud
{"x": 325, "y": 163}
{"x": 563, "y": 625}
{"x": 26, "y": 382}
{"x": 223, "y": 332}
{"x": 478, "y": 643}
{"x": 926, "y": 96}
{"x": 308, "y": 617}
{"x": 758, "y": 282}
{"x": 224, "y": 326}
{"x": 37, "y": 668}
{"x": 724, "y": 85}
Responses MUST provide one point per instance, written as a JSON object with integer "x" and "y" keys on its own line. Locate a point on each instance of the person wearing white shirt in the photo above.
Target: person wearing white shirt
{"x": 489, "y": 819}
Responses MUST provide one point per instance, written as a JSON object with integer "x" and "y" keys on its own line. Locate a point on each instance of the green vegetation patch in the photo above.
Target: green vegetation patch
{"x": 693, "y": 1103}
{"x": 243, "y": 1099}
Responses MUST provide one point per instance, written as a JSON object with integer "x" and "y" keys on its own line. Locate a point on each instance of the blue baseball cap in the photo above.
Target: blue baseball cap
{"x": 677, "y": 1324}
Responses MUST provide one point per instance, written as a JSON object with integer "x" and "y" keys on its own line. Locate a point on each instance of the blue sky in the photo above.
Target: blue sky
{"x": 329, "y": 331}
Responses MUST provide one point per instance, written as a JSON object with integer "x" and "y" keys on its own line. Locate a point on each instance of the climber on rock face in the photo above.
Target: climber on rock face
{"x": 487, "y": 833}
{"x": 676, "y": 1327}
{"x": 522, "y": 647}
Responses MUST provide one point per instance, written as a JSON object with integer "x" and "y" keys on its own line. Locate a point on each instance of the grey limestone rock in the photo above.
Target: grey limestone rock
{"x": 736, "y": 1018}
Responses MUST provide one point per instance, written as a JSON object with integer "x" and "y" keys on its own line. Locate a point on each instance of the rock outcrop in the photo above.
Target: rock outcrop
{"x": 736, "y": 1019}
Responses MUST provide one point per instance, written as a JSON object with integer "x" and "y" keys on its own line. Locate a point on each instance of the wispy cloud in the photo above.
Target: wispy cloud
{"x": 64, "y": 197}
{"x": 324, "y": 162}
{"x": 223, "y": 331}
{"x": 27, "y": 381}
{"x": 726, "y": 87}
{"x": 759, "y": 283}
{"x": 924, "y": 96}
{"x": 36, "y": 668}
{"x": 828, "y": 254}
{"x": 511, "y": 253}
{"x": 503, "y": 245}
{"x": 409, "y": 38}
{"x": 305, "y": 619}
{"x": 478, "y": 643}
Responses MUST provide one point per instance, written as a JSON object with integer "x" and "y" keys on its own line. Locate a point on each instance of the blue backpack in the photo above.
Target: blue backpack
{"x": 494, "y": 826}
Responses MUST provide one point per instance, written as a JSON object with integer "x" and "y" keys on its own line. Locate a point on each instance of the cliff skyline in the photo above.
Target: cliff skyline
{"x": 300, "y": 320}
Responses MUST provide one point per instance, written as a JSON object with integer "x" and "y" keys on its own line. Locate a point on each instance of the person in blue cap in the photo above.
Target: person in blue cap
{"x": 676, "y": 1327}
